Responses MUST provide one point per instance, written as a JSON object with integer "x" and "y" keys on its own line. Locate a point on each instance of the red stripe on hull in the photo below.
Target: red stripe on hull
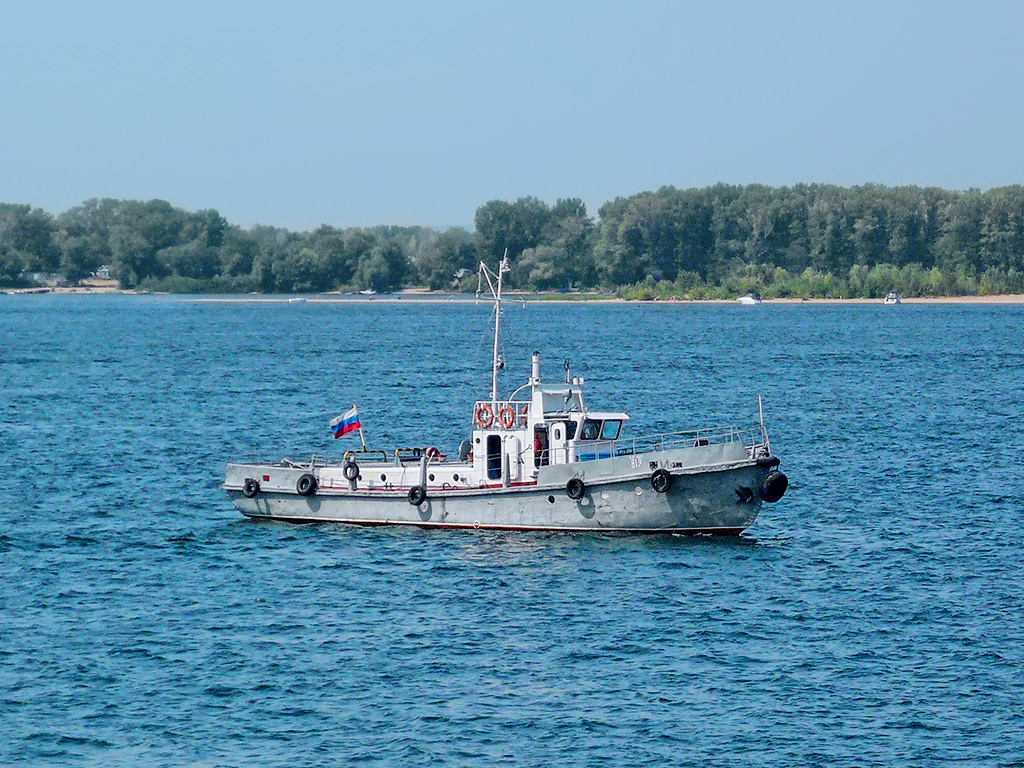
{"x": 435, "y": 489}
{"x": 470, "y": 526}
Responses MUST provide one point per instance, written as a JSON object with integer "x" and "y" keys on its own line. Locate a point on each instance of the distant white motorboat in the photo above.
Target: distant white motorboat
{"x": 750, "y": 298}
{"x": 368, "y": 292}
{"x": 893, "y": 298}
{"x": 295, "y": 301}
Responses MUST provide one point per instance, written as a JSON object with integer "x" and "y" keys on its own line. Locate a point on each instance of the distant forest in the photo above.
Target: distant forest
{"x": 808, "y": 240}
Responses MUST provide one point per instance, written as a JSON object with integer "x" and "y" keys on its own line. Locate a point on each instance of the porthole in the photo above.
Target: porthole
{"x": 455, "y": 477}
{"x": 430, "y": 478}
{"x": 383, "y": 478}
{"x": 551, "y": 499}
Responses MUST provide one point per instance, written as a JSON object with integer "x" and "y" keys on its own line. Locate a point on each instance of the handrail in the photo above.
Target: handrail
{"x": 415, "y": 453}
{"x": 751, "y": 438}
{"x": 383, "y": 454}
{"x": 521, "y": 410}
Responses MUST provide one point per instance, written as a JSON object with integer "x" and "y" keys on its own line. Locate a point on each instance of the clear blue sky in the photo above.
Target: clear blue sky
{"x": 302, "y": 113}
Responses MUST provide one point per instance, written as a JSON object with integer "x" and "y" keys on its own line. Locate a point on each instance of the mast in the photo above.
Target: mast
{"x": 494, "y": 285}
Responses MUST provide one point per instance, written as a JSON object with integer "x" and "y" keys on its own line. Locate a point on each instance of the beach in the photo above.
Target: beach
{"x": 108, "y": 287}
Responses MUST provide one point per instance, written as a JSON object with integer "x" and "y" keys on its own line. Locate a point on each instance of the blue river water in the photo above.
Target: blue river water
{"x": 874, "y": 616}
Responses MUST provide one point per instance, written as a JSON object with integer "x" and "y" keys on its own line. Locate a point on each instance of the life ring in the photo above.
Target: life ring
{"x": 524, "y": 414}
{"x": 350, "y": 470}
{"x": 250, "y": 488}
{"x": 432, "y": 453}
{"x": 661, "y": 480}
{"x": 417, "y": 495}
{"x": 575, "y": 488}
{"x": 306, "y": 484}
{"x": 506, "y": 416}
{"x": 484, "y": 416}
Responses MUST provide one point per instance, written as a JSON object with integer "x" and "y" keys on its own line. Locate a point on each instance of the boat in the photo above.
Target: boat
{"x": 893, "y": 298}
{"x": 750, "y": 298}
{"x": 539, "y": 458}
{"x": 368, "y": 292}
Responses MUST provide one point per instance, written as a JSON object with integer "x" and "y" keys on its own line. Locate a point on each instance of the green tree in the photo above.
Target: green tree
{"x": 193, "y": 259}
{"x": 12, "y": 264}
{"x": 512, "y": 226}
{"x": 383, "y": 269}
{"x": 452, "y": 254}
{"x": 301, "y": 271}
{"x": 27, "y": 239}
{"x": 80, "y": 256}
{"x": 565, "y": 256}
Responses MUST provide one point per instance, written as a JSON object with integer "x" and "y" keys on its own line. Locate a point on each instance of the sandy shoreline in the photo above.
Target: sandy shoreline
{"x": 428, "y": 299}
{"x": 419, "y": 296}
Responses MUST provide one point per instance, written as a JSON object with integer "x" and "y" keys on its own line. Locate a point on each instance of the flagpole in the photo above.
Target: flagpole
{"x": 361, "y": 438}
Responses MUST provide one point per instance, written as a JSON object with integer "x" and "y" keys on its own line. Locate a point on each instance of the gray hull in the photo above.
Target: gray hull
{"x": 712, "y": 501}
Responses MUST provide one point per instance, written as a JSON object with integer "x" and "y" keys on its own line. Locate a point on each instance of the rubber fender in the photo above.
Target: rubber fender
{"x": 773, "y": 487}
{"x": 417, "y": 495}
{"x": 661, "y": 480}
{"x": 768, "y": 461}
{"x": 306, "y": 484}
{"x": 575, "y": 488}
{"x": 350, "y": 470}
{"x": 250, "y": 488}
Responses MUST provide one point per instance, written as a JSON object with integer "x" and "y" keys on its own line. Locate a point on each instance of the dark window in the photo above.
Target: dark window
{"x": 591, "y": 430}
{"x": 570, "y": 430}
{"x": 540, "y": 446}
{"x": 494, "y": 457}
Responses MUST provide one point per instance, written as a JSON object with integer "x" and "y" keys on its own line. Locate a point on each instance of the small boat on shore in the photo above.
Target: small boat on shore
{"x": 750, "y": 298}
{"x": 537, "y": 459}
{"x": 893, "y": 298}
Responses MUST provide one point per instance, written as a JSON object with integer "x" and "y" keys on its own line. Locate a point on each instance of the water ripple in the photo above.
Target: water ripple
{"x": 871, "y": 618}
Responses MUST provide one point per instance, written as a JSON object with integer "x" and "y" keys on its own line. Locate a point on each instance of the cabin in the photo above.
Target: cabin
{"x": 539, "y": 425}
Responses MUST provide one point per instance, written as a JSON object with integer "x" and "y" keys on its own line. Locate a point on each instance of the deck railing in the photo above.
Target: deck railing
{"x": 752, "y": 438}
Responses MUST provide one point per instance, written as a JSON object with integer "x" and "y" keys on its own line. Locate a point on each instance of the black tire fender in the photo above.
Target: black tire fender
{"x": 250, "y": 487}
{"x": 306, "y": 484}
{"x": 661, "y": 480}
{"x": 773, "y": 486}
{"x": 575, "y": 488}
{"x": 350, "y": 470}
{"x": 417, "y": 495}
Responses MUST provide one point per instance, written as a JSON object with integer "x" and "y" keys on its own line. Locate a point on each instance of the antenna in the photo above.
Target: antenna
{"x": 494, "y": 286}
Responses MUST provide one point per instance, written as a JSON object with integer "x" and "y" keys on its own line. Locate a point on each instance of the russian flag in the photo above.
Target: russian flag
{"x": 347, "y": 422}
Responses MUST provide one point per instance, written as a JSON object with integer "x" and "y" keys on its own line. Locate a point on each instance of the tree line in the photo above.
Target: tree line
{"x": 812, "y": 240}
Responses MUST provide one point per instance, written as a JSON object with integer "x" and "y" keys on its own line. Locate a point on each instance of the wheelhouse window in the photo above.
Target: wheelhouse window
{"x": 610, "y": 430}
{"x": 591, "y": 429}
